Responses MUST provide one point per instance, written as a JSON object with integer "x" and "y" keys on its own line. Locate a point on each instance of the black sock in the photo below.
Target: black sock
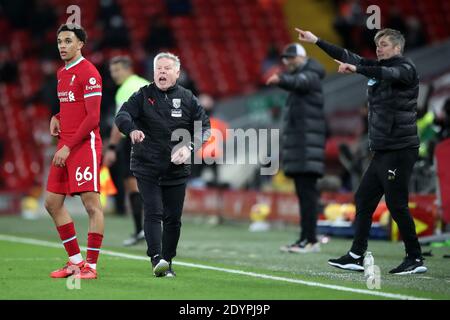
{"x": 136, "y": 208}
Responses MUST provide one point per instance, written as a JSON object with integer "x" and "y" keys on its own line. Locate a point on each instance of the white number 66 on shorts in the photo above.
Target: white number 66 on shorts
{"x": 87, "y": 175}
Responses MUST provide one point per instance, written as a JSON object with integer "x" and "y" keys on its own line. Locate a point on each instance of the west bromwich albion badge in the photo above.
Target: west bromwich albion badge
{"x": 176, "y": 103}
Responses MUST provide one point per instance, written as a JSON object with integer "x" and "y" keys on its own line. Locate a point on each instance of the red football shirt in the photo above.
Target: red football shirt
{"x": 78, "y": 82}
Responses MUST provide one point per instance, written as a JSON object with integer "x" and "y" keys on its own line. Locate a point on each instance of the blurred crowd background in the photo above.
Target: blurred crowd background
{"x": 228, "y": 49}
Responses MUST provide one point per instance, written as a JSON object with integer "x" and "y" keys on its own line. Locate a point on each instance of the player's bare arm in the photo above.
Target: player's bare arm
{"x": 55, "y": 128}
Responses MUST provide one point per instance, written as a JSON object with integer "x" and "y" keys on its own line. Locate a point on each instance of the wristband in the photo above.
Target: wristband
{"x": 112, "y": 147}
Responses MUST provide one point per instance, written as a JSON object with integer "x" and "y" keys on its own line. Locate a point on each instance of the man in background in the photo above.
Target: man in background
{"x": 303, "y": 138}
{"x": 119, "y": 149}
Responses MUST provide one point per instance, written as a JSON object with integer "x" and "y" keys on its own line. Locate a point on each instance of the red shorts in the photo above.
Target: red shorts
{"x": 81, "y": 172}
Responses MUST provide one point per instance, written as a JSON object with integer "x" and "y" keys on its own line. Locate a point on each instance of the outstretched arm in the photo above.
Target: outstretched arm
{"x": 403, "y": 73}
{"x": 302, "y": 81}
{"x": 332, "y": 50}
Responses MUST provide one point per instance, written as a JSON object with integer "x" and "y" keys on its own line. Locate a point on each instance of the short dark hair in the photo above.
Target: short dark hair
{"x": 125, "y": 61}
{"x": 75, "y": 28}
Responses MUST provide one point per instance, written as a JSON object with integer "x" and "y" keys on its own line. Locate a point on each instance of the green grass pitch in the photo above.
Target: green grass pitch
{"x": 220, "y": 262}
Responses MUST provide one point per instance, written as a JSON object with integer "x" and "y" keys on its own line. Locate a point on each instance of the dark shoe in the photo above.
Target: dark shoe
{"x": 347, "y": 262}
{"x": 410, "y": 266}
{"x": 170, "y": 273}
{"x": 286, "y": 248}
{"x": 160, "y": 266}
{"x": 134, "y": 239}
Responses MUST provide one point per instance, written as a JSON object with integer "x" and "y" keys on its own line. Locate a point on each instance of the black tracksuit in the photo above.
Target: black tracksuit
{"x": 393, "y": 88}
{"x": 161, "y": 183}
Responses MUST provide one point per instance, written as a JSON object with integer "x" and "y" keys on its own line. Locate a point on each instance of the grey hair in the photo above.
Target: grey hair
{"x": 170, "y": 56}
{"x": 395, "y": 37}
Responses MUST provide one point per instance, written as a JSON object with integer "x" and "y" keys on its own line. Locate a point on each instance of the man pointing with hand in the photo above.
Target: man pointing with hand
{"x": 393, "y": 87}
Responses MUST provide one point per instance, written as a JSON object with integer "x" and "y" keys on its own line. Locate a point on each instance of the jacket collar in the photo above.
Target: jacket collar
{"x": 391, "y": 60}
{"x": 169, "y": 90}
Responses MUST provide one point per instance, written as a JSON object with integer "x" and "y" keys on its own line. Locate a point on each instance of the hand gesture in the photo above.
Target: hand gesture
{"x": 55, "y": 128}
{"x": 273, "y": 79}
{"x": 181, "y": 155}
{"x": 345, "y": 67}
{"x": 59, "y": 160}
{"x": 137, "y": 136}
{"x": 306, "y": 36}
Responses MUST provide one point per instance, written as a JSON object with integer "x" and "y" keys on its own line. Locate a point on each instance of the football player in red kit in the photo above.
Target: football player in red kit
{"x": 75, "y": 166}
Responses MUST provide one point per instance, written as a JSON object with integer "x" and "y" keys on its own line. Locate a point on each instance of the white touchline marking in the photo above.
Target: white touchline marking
{"x": 425, "y": 277}
{"x": 233, "y": 271}
{"x": 29, "y": 259}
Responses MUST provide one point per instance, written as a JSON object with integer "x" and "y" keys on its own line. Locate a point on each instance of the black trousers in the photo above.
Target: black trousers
{"x": 308, "y": 195}
{"x": 388, "y": 173}
{"x": 162, "y": 204}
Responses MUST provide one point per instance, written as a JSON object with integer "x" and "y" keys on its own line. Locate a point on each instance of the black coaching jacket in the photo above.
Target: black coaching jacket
{"x": 158, "y": 114}
{"x": 393, "y": 87}
{"x": 303, "y": 131}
